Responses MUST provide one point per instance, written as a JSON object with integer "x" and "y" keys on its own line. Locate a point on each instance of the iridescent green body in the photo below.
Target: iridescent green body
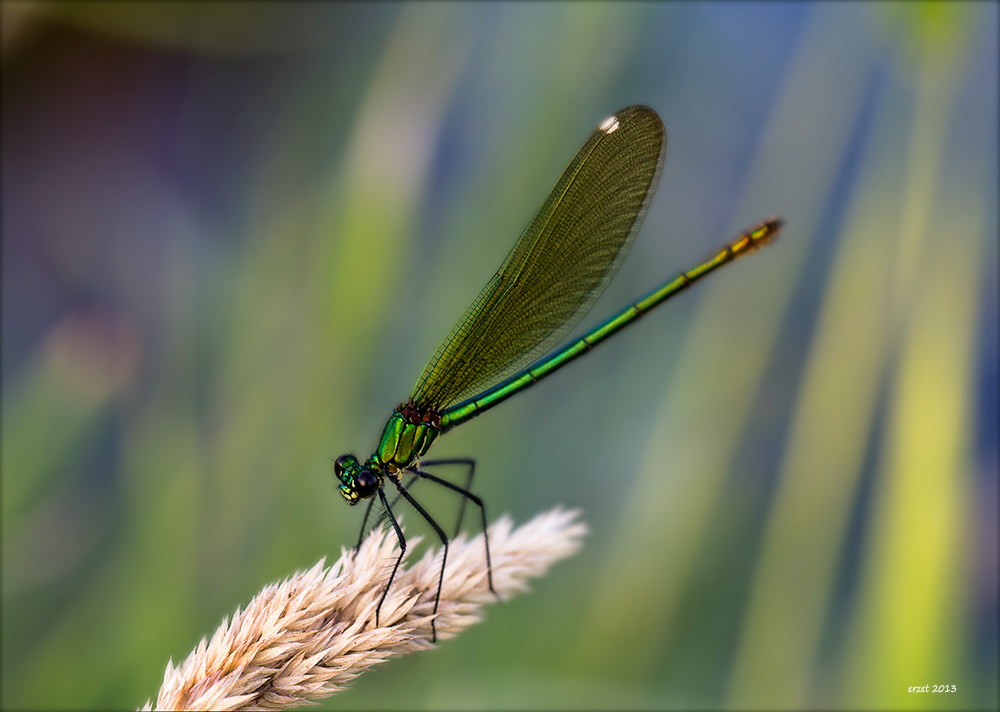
{"x": 403, "y": 442}
{"x": 561, "y": 264}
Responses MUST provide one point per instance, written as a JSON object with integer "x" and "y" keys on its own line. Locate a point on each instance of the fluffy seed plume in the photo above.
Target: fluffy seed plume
{"x": 309, "y": 636}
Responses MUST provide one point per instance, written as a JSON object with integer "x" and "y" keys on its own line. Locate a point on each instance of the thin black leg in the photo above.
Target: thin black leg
{"x": 364, "y": 522}
{"x": 405, "y": 487}
{"x": 440, "y": 532}
{"x": 402, "y": 551}
{"x": 468, "y": 481}
{"x": 382, "y": 517}
{"x": 482, "y": 511}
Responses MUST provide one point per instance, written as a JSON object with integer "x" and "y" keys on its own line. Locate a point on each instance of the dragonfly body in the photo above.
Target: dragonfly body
{"x": 410, "y": 431}
{"x": 503, "y": 343}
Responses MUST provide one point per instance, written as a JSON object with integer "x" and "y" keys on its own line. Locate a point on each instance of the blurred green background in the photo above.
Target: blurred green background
{"x": 234, "y": 233}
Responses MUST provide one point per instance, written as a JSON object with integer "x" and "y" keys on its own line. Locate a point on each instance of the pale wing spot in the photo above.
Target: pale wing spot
{"x": 610, "y": 125}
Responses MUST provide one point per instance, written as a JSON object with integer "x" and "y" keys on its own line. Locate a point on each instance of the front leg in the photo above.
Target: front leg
{"x": 402, "y": 549}
{"x": 364, "y": 523}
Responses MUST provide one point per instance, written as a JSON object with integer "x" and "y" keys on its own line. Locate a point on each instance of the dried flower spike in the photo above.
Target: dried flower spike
{"x": 309, "y": 636}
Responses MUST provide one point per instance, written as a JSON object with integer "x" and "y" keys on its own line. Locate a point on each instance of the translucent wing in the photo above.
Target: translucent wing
{"x": 561, "y": 264}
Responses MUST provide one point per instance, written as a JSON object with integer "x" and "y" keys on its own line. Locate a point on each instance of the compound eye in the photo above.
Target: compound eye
{"x": 366, "y": 483}
{"x": 344, "y": 462}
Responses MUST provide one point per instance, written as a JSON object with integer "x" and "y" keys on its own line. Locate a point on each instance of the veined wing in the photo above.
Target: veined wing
{"x": 559, "y": 266}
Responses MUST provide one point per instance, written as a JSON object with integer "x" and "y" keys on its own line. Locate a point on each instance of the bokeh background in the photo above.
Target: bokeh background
{"x": 234, "y": 233}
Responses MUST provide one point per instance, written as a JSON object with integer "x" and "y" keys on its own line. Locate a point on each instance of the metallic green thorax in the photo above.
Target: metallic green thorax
{"x": 406, "y": 437}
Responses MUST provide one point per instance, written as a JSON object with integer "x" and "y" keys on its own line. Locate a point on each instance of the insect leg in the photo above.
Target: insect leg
{"x": 364, "y": 522}
{"x": 471, "y": 464}
{"x": 402, "y": 550}
{"x": 482, "y": 511}
{"x": 440, "y": 532}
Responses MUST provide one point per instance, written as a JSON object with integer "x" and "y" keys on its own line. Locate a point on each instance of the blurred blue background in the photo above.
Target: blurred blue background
{"x": 234, "y": 233}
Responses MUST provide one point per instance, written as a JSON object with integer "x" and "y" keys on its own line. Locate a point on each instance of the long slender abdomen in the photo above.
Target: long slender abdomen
{"x": 746, "y": 243}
